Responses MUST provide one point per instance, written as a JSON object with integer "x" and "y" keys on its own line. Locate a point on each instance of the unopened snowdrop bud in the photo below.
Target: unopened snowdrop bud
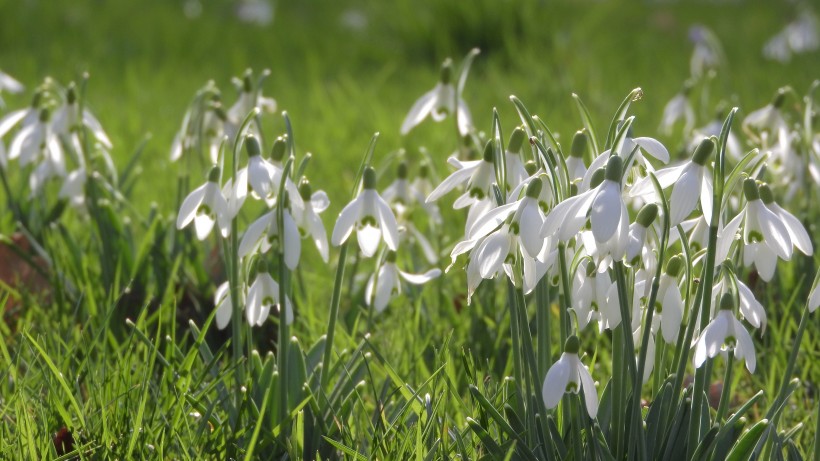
{"x": 703, "y": 151}
{"x": 401, "y": 170}
{"x": 766, "y": 194}
{"x": 531, "y": 167}
{"x": 516, "y": 141}
{"x": 277, "y": 153}
{"x": 727, "y": 302}
{"x": 252, "y": 146}
{"x": 597, "y": 178}
{"x": 647, "y": 215}
{"x": 614, "y": 168}
{"x": 489, "y": 152}
{"x": 568, "y": 374}
{"x": 45, "y": 115}
{"x": 446, "y": 75}
{"x": 579, "y": 144}
{"x": 305, "y": 190}
{"x": 674, "y": 266}
{"x": 750, "y": 190}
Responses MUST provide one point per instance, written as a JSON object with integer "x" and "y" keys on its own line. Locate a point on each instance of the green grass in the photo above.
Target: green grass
{"x": 130, "y": 391}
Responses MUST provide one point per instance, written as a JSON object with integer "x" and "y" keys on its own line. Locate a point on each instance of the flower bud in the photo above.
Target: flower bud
{"x": 390, "y": 256}
{"x": 614, "y": 168}
{"x": 534, "y": 188}
{"x": 647, "y": 215}
{"x": 727, "y": 302}
{"x": 579, "y": 144}
{"x": 516, "y": 141}
{"x": 369, "y": 178}
{"x": 305, "y": 190}
{"x": 597, "y": 178}
{"x": 750, "y": 189}
{"x": 213, "y": 175}
{"x": 401, "y": 172}
{"x": 703, "y": 151}
{"x": 277, "y": 153}
{"x": 573, "y": 345}
{"x": 674, "y": 266}
{"x": 489, "y": 152}
{"x": 766, "y": 194}
{"x": 530, "y": 167}
{"x": 252, "y": 146}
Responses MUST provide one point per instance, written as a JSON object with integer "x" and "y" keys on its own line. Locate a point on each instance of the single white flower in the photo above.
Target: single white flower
{"x": 9, "y": 84}
{"x": 568, "y": 374}
{"x": 263, "y": 233}
{"x": 797, "y": 232}
{"x": 669, "y": 304}
{"x": 371, "y": 216}
{"x": 223, "y": 305}
{"x": 385, "y": 284}
{"x": 767, "y": 126}
{"x": 636, "y": 245}
{"x": 478, "y": 175}
{"x": 422, "y": 186}
{"x": 594, "y": 298}
{"x": 249, "y": 98}
{"x": 725, "y": 332}
{"x": 262, "y": 295}
{"x": 750, "y": 308}
{"x": 73, "y": 188}
{"x": 690, "y": 181}
{"x": 67, "y": 119}
{"x": 439, "y": 102}
{"x": 307, "y": 218}
{"x": 206, "y": 205}
{"x": 36, "y": 141}
{"x": 708, "y": 52}
{"x": 678, "y": 108}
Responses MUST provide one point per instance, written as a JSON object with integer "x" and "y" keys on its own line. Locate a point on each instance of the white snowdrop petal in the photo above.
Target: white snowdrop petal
{"x": 797, "y": 232}
{"x": 492, "y": 253}
{"x": 744, "y": 347}
{"x": 684, "y": 196}
{"x": 254, "y": 233}
{"x": 606, "y": 211}
{"x": 555, "y": 383}
{"x": 292, "y": 242}
{"x": 389, "y": 226}
{"x": 317, "y": 232}
{"x": 203, "y": 225}
{"x": 346, "y": 221}
{"x": 450, "y": 182}
{"x": 369, "y": 238}
{"x": 774, "y": 232}
{"x": 706, "y": 196}
{"x": 419, "y": 111}
{"x": 489, "y": 221}
{"x": 189, "y": 207}
{"x": 653, "y": 147}
{"x": 590, "y": 393}
{"x": 418, "y": 279}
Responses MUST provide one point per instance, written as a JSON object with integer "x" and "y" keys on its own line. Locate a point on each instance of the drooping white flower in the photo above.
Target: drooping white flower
{"x": 263, "y": 295}
{"x": 707, "y": 54}
{"x": 204, "y": 206}
{"x": 690, "y": 181}
{"x": 636, "y": 245}
{"x": 678, "y": 108}
{"x": 249, "y": 97}
{"x": 639, "y": 146}
{"x": 568, "y": 374}
{"x": 767, "y": 126}
{"x": 478, "y": 175}
{"x": 725, "y": 332}
{"x": 576, "y": 168}
{"x": 73, "y": 188}
{"x": 67, "y": 119}
{"x": 594, "y": 298}
{"x": 9, "y": 84}
{"x": 669, "y": 305}
{"x": 797, "y": 232}
{"x": 37, "y": 141}
{"x": 750, "y": 308}
{"x": 223, "y": 305}
{"x": 799, "y": 36}
{"x": 439, "y": 102}
{"x": 422, "y": 186}
{"x": 263, "y": 233}
{"x": 307, "y": 218}
{"x": 371, "y": 216}
{"x": 385, "y": 284}
{"x": 713, "y": 128}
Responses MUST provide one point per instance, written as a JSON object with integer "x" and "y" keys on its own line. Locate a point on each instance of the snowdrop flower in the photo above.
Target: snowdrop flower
{"x": 37, "y": 140}
{"x": 636, "y": 241}
{"x": 248, "y": 99}
{"x": 669, "y": 305}
{"x": 479, "y": 176}
{"x": 223, "y": 304}
{"x": 568, "y": 374}
{"x": 259, "y": 12}
{"x": 575, "y": 163}
{"x": 386, "y": 283}
{"x": 678, "y": 108}
{"x": 514, "y": 166}
{"x": 799, "y": 36}
{"x": 725, "y": 332}
{"x": 767, "y": 123}
{"x": 765, "y": 235}
{"x": 263, "y": 233}
{"x": 594, "y": 298}
{"x": 67, "y": 119}
{"x": 750, "y": 308}
{"x": 707, "y": 54}
{"x": 639, "y": 145}
{"x": 814, "y": 298}
{"x": 73, "y": 188}
{"x": 422, "y": 185}
{"x": 713, "y": 128}
{"x": 689, "y": 182}
{"x": 8, "y": 83}
{"x": 439, "y": 102}
{"x": 371, "y": 216}
{"x": 797, "y": 232}
{"x": 307, "y": 218}
{"x": 204, "y": 206}
{"x": 262, "y": 295}
{"x": 401, "y": 194}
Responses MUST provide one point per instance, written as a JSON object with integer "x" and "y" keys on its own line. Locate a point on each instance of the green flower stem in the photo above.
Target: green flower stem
{"x": 324, "y": 373}
{"x": 617, "y": 383}
{"x": 726, "y": 394}
{"x": 515, "y": 331}
{"x": 563, "y": 312}
{"x": 542, "y": 321}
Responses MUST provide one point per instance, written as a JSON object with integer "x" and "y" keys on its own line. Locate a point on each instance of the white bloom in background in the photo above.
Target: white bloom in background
{"x": 386, "y": 284}
{"x": 725, "y": 332}
{"x": 440, "y": 102}
{"x": 371, "y": 216}
{"x": 575, "y": 162}
{"x": 678, "y": 108}
{"x": 478, "y": 175}
{"x": 713, "y": 128}
{"x": 767, "y": 126}
{"x": 204, "y": 206}
{"x": 690, "y": 181}
{"x": 9, "y": 84}
{"x": 708, "y": 52}
{"x": 259, "y": 12}
{"x": 73, "y": 188}
{"x": 814, "y": 298}
{"x": 263, "y": 233}
{"x": 799, "y": 36}
{"x": 568, "y": 374}
{"x": 67, "y": 119}
{"x": 594, "y": 298}
{"x": 25, "y": 117}
{"x": 249, "y": 97}
{"x": 263, "y": 294}
{"x": 765, "y": 234}
{"x": 307, "y": 218}
{"x": 223, "y": 305}
{"x": 422, "y": 186}
{"x": 36, "y": 141}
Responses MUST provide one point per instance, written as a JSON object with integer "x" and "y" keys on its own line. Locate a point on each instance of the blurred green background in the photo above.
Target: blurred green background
{"x": 345, "y": 69}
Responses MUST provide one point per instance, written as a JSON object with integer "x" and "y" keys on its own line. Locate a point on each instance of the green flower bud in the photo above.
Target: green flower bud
{"x": 534, "y": 188}
{"x": 305, "y": 191}
{"x": 614, "y": 168}
{"x": 402, "y": 170}
{"x": 647, "y": 215}
{"x": 390, "y": 256}
{"x": 573, "y": 345}
{"x": 597, "y": 177}
{"x": 516, "y": 140}
{"x": 531, "y": 167}
{"x": 750, "y": 189}
{"x": 252, "y": 146}
{"x": 278, "y": 151}
{"x": 369, "y": 178}
{"x": 489, "y": 152}
{"x": 766, "y": 194}
{"x": 727, "y": 302}
{"x": 579, "y": 144}
{"x": 674, "y": 266}
{"x": 213, "y": 175}
{"x": 703, "y": 151}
